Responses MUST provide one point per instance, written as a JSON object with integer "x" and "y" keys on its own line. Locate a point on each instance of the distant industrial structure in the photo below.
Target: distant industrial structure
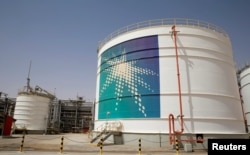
{"x": 7, "y": 106}
{"x": 37, "y": 111}
{"x": 61, "y": 116}
{"x": 70, "y": 116}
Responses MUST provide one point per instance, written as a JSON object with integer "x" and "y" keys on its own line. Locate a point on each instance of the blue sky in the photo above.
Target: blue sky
{"x": 61, "y": 37}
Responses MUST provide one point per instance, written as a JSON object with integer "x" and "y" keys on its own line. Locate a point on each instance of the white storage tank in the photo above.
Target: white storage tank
{"x": 244, "y": 77}
{"x": 32, "y": 110}
{"x": 137, "y": 81}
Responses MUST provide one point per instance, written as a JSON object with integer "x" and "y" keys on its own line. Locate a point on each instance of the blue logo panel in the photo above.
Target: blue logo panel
{"x": 129, "y": 80}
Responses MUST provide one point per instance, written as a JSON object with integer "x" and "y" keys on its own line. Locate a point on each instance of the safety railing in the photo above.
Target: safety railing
{"x": 71, "y": 143}
{"x": 62, "y": 143}
{"x": 161, "y": 22}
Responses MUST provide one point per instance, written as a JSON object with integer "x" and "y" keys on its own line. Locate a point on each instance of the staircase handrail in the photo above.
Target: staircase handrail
{"x": 110, "y": 126}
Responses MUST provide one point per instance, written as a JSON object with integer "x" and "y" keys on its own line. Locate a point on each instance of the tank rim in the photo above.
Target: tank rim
{"x": 161, "y": 22}
{"x": 34, "y": 94}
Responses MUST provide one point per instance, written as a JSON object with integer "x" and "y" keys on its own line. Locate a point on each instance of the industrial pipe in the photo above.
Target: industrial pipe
{"x": 171, "y": 116}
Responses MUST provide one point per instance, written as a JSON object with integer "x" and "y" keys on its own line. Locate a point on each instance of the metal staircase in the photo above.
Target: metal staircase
{"x": 106, "y": 130}
{"x": 97, "y": 137}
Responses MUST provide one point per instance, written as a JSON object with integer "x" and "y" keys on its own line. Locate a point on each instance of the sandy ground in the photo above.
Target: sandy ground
{"x": 75, "y": 144}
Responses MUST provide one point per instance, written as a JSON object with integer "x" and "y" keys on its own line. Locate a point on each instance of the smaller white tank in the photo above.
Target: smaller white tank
{"x": 31, "y": 112}
{"x": 244, "y": 77}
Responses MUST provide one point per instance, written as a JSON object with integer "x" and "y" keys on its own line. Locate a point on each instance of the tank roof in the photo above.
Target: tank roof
{"x": 240, "y": 70}
{"x": 38, "y": 91}
{"x": 161, "y": 22}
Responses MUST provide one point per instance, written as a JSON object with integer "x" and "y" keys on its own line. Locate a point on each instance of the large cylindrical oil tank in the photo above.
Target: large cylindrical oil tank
{"x": 137, "y": 81}
{"x": 31, "y": 112}
{"x": 244, "y": 78}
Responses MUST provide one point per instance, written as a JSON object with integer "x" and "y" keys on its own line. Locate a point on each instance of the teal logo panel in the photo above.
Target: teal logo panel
{"x": 129, "y": 80}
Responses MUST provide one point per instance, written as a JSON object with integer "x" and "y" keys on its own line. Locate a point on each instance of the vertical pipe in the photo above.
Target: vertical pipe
{"x": 171, "y": 116}
{"x": 178, "y": 73}
{"x": 59, "y": 115}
